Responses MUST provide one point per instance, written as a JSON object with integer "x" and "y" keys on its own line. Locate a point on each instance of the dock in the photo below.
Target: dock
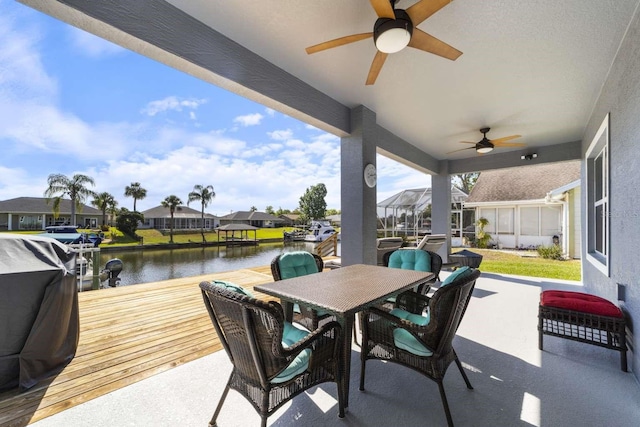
{"x": 127, "y": 334}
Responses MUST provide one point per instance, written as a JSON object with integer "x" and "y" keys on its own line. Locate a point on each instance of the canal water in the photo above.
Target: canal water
{"x": 142, "y": 266}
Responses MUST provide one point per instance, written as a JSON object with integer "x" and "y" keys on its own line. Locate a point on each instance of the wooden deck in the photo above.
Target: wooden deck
{"x": 128, "y": 334}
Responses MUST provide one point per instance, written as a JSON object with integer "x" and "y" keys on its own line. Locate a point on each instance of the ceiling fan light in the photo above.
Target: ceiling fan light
{"x": 484, "y": 150}
{"x": 393, "y": 40}
{"x": 393, "y": 35}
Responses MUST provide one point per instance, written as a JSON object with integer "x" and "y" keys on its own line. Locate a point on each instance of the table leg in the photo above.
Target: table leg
{"x": 287, "y": 307}
{"x": 347, "y": 330}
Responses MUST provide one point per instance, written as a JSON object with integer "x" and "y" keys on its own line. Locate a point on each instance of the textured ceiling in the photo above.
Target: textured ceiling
{"x": 533, "y": 68}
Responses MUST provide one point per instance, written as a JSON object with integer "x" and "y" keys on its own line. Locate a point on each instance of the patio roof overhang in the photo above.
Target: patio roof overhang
{"x": 536, "y": 71}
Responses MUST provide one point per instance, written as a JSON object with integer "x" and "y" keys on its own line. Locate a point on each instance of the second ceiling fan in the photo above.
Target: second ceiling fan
{"x": 486, "y": 145}
{"x": 394, "y": 30}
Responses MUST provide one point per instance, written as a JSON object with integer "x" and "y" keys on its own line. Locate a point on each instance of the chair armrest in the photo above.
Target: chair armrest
{"x": 330, "y": 330}
{"x": 401, "y": 323}
{"x": 412, "y": 302}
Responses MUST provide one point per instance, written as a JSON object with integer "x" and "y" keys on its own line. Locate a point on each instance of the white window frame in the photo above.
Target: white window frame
{"x": 599, "y": 147}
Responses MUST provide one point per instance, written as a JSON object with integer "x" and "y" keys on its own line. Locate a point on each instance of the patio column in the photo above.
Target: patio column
{"x": 441, "y": 207}
{"x": 358, "y": 201}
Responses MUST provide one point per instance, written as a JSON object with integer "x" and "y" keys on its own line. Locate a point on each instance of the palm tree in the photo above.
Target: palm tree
{"x": 76, "y": 188}
{"x": 136, "y": 191}
{"x": 205, "y": 195}
{"x": 172, "y": 203}
{"x": 105, "y": 202}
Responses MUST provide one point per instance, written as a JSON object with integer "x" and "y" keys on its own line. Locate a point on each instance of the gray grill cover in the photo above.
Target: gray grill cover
{"x": 39, "y": 323}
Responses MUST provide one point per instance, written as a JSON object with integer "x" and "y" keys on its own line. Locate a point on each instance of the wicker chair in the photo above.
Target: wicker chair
{"x": 269, "y": 367}
{"x": 406, "y": 337}
{"x": 295, "y": 264}
{"x": 415, "y": 261}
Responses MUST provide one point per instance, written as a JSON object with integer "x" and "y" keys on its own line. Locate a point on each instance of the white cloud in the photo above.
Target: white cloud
{"x": 281, "y": 135}
{"x": 270, "y": 112}
{"x": 92, "y": 46}
{"x": 249, "y": 119}
{"x": 172, "y": 103}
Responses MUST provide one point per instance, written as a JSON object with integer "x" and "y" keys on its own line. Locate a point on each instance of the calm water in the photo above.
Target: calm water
{"x": 153, "y": 265}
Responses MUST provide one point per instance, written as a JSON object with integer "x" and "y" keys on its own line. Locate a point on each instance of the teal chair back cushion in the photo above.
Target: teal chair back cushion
{"x": 295, "y": 264}
{"x": 232, "y": 287}
{"x": 460, "y": 272}
{"x": 410, "y": 259}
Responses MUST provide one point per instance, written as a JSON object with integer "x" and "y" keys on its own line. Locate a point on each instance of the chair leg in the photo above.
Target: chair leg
{"x": 363, "y": 364}
{"x": 212, "y": 423}
{"x": 464, "y": 375}
{"x": 340, "y": 398}
{"x": 443, "y": 396}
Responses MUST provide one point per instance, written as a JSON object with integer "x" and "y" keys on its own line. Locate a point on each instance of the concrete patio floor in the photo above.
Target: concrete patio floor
{"x": 515, "y": 384}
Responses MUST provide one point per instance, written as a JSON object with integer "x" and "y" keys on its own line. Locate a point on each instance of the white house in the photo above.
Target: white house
{"x": 531, "y": 205}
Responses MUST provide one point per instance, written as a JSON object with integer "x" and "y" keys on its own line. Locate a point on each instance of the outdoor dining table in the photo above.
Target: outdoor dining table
{"x": 343, "y": 292}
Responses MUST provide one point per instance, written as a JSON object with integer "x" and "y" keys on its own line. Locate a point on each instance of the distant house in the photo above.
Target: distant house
{"x": 34, "y": 213}
{"x": 184, "y": 218}
{"x": 531, "y": 205}
{"x": 290, "y": 220}
{"x": 334, "y": 219}
{"x": 255, "y": 218}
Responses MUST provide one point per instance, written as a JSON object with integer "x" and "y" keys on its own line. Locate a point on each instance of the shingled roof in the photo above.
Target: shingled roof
{"x": 180, "y": 212}
{"x": 39, "y": 205}
{"x": 523, "y": 183}
{"x": 250, "y": 216}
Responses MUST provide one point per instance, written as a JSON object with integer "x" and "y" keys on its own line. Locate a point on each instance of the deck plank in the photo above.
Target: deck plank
{"x": 127, "y": 334}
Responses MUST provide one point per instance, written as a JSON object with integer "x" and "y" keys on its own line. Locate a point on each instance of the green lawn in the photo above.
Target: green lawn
{"x": 494, "y": 261}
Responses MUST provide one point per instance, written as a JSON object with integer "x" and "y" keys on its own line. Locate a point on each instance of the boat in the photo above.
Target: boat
{"x": 69, "y": 234}
{"x": 319, "y": 231}
{"x": 296, "y": 235}
{"x": 88, "y": 277}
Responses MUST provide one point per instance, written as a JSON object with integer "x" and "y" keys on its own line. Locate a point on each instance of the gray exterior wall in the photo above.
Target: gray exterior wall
{"x": 620, "y": 97}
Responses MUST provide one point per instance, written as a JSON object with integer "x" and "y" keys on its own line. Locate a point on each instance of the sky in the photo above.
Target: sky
{"x": 71, "y": 102}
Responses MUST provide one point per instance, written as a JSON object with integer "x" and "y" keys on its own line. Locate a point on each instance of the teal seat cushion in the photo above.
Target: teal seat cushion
{"x": 296, "y": 264}
{"x": 411, "y": 317}
{"x": 232, "y": 287}
{"x": 410, "y": 259}
{"x": 403, "y": 339}
{"x": 460, "y": 272}
{"x": 291, "y": 335}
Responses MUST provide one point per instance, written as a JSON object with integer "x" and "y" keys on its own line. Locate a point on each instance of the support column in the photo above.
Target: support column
{"x": 358, "y": 201}
{"x": 9, "y": 221}
{"x": 441, "y": 207}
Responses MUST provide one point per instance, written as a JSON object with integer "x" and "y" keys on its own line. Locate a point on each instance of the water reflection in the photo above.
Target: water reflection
{"x": 153, "y": 265}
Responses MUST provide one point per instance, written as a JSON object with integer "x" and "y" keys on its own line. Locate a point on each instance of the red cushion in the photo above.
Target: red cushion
{"x": 578, "y": 301}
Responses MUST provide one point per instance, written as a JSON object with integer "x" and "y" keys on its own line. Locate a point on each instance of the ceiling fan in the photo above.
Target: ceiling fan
{"x": 394, "y": 30}
{"x": 486, "y": 145}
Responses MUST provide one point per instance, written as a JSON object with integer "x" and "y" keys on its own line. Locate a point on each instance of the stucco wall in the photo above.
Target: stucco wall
{"x": 620, "y": 97}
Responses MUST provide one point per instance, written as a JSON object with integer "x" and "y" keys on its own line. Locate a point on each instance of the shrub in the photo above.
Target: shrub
{"x": 551, "y": 252}
{"x": 482, "y": 237}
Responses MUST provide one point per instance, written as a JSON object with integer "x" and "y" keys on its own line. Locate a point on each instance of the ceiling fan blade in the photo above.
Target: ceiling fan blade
{"x": 376, "y": 66}
{"x": 423, "y": 41}
{"x": 462, "y": 149}
{"x": 424, "y": 9}
{"x": 338, "y": 42}
{"x": 509, "y": 144}
{"x": 506, "y": 138}
{"x": 383, "y": 8}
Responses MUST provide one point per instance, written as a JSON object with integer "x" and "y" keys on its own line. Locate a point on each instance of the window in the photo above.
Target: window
{"x": 529, "y": 221}
{"x": 500, "y": 220}
{"x": 597, "y": 189}
{"x": 540, "y": 220}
